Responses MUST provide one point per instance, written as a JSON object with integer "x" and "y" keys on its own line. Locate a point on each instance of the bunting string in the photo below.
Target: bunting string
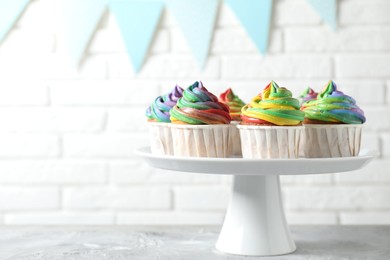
{"x": 138, "y": 20}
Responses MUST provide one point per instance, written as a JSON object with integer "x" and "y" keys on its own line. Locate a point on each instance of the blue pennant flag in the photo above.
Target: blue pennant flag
{"x": 137, "y": 21}
{"x": 80, "y": 20}
{"x": 10, "y": 10}
{"x": 255, "y": 16}
{"x": 196, "y": 19}
{"x": 327, "y": 9}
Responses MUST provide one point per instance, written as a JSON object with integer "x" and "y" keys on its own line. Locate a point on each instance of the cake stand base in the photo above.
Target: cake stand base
{"x": 255, "y": 224}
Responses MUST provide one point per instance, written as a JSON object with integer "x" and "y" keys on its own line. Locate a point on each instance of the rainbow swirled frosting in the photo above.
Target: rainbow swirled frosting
{"x": 307, "y": 94}
{"x": 199, "y": 107}
{"x": 158, "y": 111}
{"x": 233, "y": 102}
{"x": 333, "y": 106}
{"x": 273, "y": 106}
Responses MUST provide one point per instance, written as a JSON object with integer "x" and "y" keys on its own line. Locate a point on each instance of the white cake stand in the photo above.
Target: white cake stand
{"x": 255, "y": 223}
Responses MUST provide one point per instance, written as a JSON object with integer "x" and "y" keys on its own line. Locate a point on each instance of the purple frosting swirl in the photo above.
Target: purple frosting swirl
{"x": 159, "y": 110}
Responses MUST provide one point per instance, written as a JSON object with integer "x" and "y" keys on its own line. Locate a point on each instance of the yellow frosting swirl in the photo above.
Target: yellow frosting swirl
{"x": 274, "y": 105}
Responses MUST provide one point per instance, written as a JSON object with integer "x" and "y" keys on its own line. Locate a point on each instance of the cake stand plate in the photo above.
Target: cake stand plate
{"x": 255, "y": 223}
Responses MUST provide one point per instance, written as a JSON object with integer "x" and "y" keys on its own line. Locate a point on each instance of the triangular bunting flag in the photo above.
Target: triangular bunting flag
{"x": 80, "y": 19}
{"x": 255, "y": 16}
{"x": 10, "y": 10}
{"x": 196, "y": 18}
{"x": 137, "y": 20}
{"x": 327, "y": 9}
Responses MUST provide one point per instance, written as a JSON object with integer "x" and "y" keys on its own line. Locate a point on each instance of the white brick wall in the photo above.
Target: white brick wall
{"x": 373, "y": 65}
{"x": 67, "y": 136}
{"x": 29, "y": 145}
{"x": 57, "y": 172}
{"x": 13, "y": 198}
{"x": 113, "y": 197}
{"x": 201, "y": 198}
{"x": 35, "y": 93}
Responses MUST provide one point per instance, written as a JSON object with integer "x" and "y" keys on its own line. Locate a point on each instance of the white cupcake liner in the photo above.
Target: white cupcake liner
{"x": 323, "y": 141}
{"x": 301, "y": 153}
{"x": 160, "y": 138}
{"x": 234, "y": 139}
{"x": 270, "y": 142}
{"x": 201, "y": 140}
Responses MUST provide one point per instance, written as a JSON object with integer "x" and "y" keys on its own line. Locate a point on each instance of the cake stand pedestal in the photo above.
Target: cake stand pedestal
{"x": 255, "y": 222}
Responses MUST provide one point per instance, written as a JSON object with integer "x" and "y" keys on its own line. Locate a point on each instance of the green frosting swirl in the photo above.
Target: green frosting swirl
{"x": 198, "y": 107}
{"x": 333, "y": 106}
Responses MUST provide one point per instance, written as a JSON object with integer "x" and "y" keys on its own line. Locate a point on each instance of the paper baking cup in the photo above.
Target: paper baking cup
{"x": 301, "y": 153}
{"x": 160, "y": 138}
{"x": 201, "y": 140}
{"x": 234, "y": 139}
{"x": 324, "y": 141}
{"x": 268, "y": 142}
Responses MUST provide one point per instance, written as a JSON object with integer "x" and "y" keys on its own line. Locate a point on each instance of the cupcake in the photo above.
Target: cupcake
{"x": 200, "y": 124}
{"x": 271, "y": 124}
{"x": 159, "y": 119}
{"x": 306, "y": 95}
{"x": 235, "y": 104}
{"x": 333, "y": 124}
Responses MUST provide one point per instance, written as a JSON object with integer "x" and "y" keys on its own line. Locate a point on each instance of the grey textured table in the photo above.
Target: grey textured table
{"x": 130, "y": 243}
